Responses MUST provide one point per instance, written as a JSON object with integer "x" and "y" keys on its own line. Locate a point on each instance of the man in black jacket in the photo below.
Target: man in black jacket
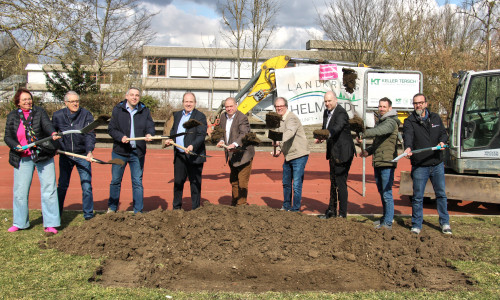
{"x": 130, "y": 118}
{"x": 339, "y": 152}
{"x": 423, "y": 129}
{"x": 75, "y": 117}
{"x": 187, "y": 165}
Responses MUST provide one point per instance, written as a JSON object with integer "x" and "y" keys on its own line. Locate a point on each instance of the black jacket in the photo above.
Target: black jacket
{"x": 340, "y": 146}
{"x": 119, "y": 126}
{"x": 195, "y": 137}
{"x": 418, "y": 134}
{"x": 41, "y": 126}
{"x": 63, "y": 120}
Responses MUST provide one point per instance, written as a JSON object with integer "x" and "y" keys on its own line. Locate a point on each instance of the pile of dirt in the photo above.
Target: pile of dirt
{"x": 257, "y": 249}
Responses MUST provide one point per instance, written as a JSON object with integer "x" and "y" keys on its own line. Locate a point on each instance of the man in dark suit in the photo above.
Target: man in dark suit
{"x": 235, "y": 125}
{"x": 339, "y": 151}
{"x": 188, "y": 165}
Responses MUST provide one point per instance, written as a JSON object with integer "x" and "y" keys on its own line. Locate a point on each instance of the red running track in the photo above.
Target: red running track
{"x": 264, "y": 189}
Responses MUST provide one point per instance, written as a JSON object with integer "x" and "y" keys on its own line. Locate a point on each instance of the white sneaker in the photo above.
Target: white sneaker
{"x": 110, "y": 211}
{"x": 415, "y": 230}
{"x": 446, "y": 229}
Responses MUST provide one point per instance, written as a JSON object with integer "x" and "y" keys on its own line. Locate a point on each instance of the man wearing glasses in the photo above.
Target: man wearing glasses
{"x": 69, "y": 118}
{"x": 295, "y": 149}
{"x": 424, "y": 129}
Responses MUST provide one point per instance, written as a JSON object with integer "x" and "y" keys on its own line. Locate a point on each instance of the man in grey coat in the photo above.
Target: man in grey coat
{"x": 235, "y": 125}
{"x": 295, "y": 148}
{"x": 384, "y": 149}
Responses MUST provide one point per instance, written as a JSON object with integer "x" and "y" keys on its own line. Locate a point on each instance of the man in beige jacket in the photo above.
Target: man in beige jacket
{"x": 295, "y": 149}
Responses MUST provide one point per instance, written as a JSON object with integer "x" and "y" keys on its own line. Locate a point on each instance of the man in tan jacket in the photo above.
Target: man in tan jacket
{"x": 295, "y": 148}
{"x": 235, "y": 125}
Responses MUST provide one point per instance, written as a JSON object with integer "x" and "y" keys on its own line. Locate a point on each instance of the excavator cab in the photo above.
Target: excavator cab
{"x": 475, "y": 124}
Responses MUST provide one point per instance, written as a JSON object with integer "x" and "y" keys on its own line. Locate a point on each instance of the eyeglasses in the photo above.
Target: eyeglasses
{"x": 418, "y": 103}
{"x": 279, "y": 106}
{"x": 73, "y": 102}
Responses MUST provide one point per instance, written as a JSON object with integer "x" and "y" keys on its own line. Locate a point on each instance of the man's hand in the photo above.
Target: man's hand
{"x": 359, "y": 140}
{"x": 441, "y": 144}
{"x": 124, "y": 139}
{"x": 19, "y": 148}
{"x": 189, "y": 149}
{"x": 317, "y": 141}
{"x": 276, "y": 153}
{"x": 55, "y": 136}
{"x": 220, "y": 144}
{"x": 169, "y": 142}
{"x": 148, "y": 138}
{"x": 364, "y": 153}
{"x": 276, "y": 143}
{"x": 89, "y": 156}
{"x": 408, "y": 152}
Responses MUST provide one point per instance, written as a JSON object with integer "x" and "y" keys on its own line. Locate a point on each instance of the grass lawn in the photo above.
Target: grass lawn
{"x": 29, "y": 272}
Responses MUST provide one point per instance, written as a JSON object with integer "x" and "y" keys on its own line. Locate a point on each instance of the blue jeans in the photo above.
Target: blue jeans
{"x": 23, "y": 177}
{"x": 384, "y": 178}
{"x": 420, "y": 175}
{"x": 293, "y": 170}
{"x": 136, "y": 168}
{"x": 84, "y": 169}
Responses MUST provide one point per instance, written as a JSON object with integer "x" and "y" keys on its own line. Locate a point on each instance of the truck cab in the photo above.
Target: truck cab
{"x": 475, "y": 124}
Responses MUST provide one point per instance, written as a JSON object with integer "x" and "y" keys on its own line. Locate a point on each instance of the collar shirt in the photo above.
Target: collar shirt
{"x": 180, "y": 129}
{"x": 132, "y": 112}
{"x": 229, "y": 123}
{"x": 330, "y": 114}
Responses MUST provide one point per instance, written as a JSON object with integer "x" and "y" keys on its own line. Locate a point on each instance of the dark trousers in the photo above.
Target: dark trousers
{"x": 84, "y": 169}
{"x": 184, "y": 169}
{"x": 239, "y": 178}
{"x": 338, "y": 188}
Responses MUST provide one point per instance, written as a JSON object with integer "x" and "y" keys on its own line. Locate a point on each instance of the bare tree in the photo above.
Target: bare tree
{"x": 356, "y": 26}
{"x": 487, "y": 14}
{"x": 235, "y": 20}
{"x": 117, "y": 27}
{"x": 405, "y": 35}
{"x": 261, "y": 24}
{"x": 37, "y": 27}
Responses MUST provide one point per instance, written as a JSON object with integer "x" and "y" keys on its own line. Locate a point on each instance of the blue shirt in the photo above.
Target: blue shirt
{"x": 180, "y": 129}
{"x": 132, "y": 112}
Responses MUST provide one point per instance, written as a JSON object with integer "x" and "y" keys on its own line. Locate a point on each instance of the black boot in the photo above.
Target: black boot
{"x": 328, "y": 214}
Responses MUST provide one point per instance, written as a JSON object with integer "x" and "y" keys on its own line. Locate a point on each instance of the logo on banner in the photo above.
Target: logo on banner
{"x": 328, "y": 72}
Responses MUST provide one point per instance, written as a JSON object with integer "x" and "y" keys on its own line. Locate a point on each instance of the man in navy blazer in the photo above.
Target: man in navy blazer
{"x": 188, "y": 165}
{"x": 339, "y": 152}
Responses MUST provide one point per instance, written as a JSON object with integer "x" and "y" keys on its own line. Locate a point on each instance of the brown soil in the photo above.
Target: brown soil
{"x": 257, "y": 249}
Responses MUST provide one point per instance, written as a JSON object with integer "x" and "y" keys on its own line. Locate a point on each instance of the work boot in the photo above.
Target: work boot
{"x": 328, "y": 214}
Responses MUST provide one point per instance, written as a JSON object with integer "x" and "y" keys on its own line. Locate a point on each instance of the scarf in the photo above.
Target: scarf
{"x": 30, "y": 133}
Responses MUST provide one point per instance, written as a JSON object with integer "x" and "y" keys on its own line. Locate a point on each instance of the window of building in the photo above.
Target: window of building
{"x": 178, "y": 68}
{"x": 200, "y": 68}
{"x": 245, "y": 70}
{"x": 222, "y": 69}
{"x": 103, "y": 79}
{"x": 157, "y": 66}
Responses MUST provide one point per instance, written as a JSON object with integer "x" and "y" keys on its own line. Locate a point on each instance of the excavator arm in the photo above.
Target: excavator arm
{"x": 257, "y": 89}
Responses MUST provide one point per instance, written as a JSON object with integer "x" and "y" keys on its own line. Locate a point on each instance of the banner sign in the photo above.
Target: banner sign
{"x": 399, "y": 87}
{"x": 304, "y": 92}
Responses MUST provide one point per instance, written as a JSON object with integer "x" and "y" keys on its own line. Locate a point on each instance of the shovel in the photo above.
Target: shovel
{"x": 114, "y": 161}
{"x": 100, "y": 120}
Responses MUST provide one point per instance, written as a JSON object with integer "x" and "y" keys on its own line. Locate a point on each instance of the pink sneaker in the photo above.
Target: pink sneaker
{"x": 51, "y": 230}
{"x": 13, "y": 229}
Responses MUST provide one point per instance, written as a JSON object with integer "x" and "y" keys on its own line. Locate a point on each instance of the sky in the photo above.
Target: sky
{"x": 196, "y": 23}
